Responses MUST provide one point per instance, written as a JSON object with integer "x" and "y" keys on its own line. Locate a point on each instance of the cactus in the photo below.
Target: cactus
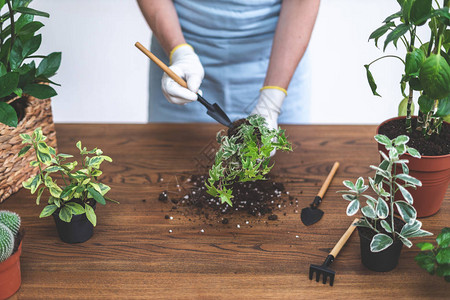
{"x": 6, "y": 242}
{"x": 11, "y": 220}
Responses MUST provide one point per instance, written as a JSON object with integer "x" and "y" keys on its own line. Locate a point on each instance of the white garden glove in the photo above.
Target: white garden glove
{"x": 186, "y": 64}
{"x": 269, "y": 104}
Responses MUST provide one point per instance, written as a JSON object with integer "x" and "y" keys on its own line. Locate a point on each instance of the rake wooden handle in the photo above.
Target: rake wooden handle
{"x": 327, "y": 182}
{"x": 162, "y": 65}
{"x": 343, "y": 239}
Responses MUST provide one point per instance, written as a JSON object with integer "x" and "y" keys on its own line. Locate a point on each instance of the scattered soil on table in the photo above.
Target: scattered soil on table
{"x": 433, "y": 146}
{"x": 255, "y": 198}
{"x": 369, "y": 233}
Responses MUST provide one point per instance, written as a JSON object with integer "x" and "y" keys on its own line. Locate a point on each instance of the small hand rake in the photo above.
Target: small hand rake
{"x": 323, "y": 269}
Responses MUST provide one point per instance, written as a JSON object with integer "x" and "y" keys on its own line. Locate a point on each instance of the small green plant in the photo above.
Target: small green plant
{"x": 19, "y": 73}
{"x": 436, "y": 259}
{"x": 391, "y": 176}
{"x": 80, "y": 188}
{"x": 427, "y": 70}
{"x": 9, "y": 229}
{"x": 245, "y": 156}
{"x": 11, "y": 220}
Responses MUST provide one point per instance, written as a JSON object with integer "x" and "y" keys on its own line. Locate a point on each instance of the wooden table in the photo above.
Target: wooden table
{"x": 133, "y": 255}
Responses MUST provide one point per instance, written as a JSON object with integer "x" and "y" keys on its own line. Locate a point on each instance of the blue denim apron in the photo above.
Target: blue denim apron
{"x": 233, "y": 40}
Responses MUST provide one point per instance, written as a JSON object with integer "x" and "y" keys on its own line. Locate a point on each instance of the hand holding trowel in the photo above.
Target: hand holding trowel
{"x": 312, "y": 213}
{"x": 214, "y": 110}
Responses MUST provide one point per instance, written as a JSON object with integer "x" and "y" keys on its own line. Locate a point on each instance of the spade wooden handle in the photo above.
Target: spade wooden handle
{"x": 162, "y": 65}
{"x": 327, "y": 182}
{"x": 343, "y": 239}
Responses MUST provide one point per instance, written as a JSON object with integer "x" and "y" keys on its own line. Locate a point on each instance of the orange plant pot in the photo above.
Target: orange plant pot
{"x": 10, "y": 278}
{"x": 433, "y": 172}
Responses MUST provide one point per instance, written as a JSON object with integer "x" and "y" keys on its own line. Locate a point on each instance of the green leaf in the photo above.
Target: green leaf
{"x": 65, "y": 214}
{"x": 419, "y": 11}
{"x": 413, "y": 152}
{"x": 16, "y": 56}
{"x": 382, "y": 139}
{"x": 90, "y": 214}
{"x": 435, "y": 77}
{"x": 372, "y": 84}
{"x": 349, "y": 184}
{"x": 43, "y": 157}
{"x": 30, "y": 11}
{"x": 443, "y": 257}
{"x": 443, "y": 107}
{"x": 29, "y": 28}
{"x": 96, "y": 195}
{"x": 369, "y": 212}
{"x": 39, "y": 194}
{"x": 425, "y": 246}
{"x": 426, "y": 104}
{"x": 8, "y": 83}
{"x": 31, "y": 46}
{"x": 395, "y": 34}
{"x": 353, "y": 207}
{"x": 409, "y": 229}
{"x": 76, "y": 208}
{"x": 402, "y": 107}
{"x": 49, "y": 65}
{"x": 380, "y": 242}
{"x": 48, "y": 211}
{"x": 35, "y": 183}
{"x": 393, "y": 16}
{"x": 443, "y": 271}
{"x": 8, "y": 115}
{"x": 414, "y": 61}
{"x": 2, "y": 69}
{"x": 386, "y": 226}
{"x": 382, "y": 209}
{"x": 24, "y": 150}
{"x": 407, "y": 212}
{"x": 380, "y": 32}
{"x": 401, "y": 139}
{"x": 406, "y": 194}
{"x": 406, "y": 9}
{"x": 443, "y": 239}
{"x": 42, "y": 147}
{"x": 23, "y": 20}
{"x": 426, "y": 261}
{"x": 409, "y": 179}
{"x": 40, "y": 91}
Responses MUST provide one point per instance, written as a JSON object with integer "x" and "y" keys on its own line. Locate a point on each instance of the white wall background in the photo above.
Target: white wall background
{"x": 104, "y": 77}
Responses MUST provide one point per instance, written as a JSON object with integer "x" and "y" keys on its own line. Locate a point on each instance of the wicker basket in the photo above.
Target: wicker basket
{"x": 13, "y": 169}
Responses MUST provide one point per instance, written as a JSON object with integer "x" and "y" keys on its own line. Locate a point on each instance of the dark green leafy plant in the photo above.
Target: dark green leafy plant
{"x": 245, "y": 156}
{"x": 436, "y": 259}
{"x": 19, "y": 73}
{"x": 387, "y": 182}
{"x": 427, "y": 70}
{"x": 80, "y": 188}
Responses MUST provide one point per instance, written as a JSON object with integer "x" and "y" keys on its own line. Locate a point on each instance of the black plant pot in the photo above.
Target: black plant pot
{"x": 382, "y": 261}
{"x": 78, "y": 230}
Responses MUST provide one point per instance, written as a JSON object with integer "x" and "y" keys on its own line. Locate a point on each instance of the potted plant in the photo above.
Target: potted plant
{"x": 436, "y": 259}
{"x": 10, "y": 251}
{"x": 382, "y": 235}
{"x": 244, "y": 155}
{"x": 72, "y": 202}
{"x": 23, "y": 81}
{"x": 426, "y": 77}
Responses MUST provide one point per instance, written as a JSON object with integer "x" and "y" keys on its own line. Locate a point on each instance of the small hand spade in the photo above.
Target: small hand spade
{"x": 213, "y": 110}
{"x": 312, "y": 213}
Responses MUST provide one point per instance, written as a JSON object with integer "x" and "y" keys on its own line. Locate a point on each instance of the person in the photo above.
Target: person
{"x": 237, "y": 52}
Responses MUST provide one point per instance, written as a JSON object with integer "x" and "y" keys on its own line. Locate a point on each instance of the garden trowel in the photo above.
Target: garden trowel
{"x": 214, "y": 109}
{"x": 312, "y": 213}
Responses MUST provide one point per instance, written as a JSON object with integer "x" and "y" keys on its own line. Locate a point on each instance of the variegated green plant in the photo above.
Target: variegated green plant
{"x": 391, "y": 176}
{"x": 244, "y": 156}
{"x": 78, "y": 185}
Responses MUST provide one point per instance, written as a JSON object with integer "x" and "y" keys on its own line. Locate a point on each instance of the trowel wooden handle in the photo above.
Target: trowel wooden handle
{"x": 162, "y": 65}
{"x": 343, "y": 239}
{"x": 327, "y": 182}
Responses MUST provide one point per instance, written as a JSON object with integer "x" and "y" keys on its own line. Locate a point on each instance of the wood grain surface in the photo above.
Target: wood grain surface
{"x": 132, "y": 254}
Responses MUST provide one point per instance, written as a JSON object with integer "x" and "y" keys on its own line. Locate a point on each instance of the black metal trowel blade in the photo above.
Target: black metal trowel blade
{"x": 310, "y": 215}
